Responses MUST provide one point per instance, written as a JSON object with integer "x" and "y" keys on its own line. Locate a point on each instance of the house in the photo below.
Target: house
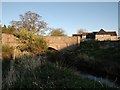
{"x": 103, "y": 35}
{"x": 82, "y": 36}
{"x": 100, "y": 36}
{"x": 86, "y": 36}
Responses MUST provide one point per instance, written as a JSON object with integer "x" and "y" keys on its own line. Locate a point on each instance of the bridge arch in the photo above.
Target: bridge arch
{"x": 52, "y": 48}
{"x": 61, "y": 42}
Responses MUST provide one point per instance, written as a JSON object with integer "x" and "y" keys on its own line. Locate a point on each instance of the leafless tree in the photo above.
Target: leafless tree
{"x": 81, "y": 31}
{"x": 31, "y": 21}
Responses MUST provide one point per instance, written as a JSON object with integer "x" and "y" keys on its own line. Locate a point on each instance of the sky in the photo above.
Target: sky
{"x": 59, "y": 0}
{"x": 70, "y": 16}
{"x": 119, "y": 18}
{"x": 0, "y": 12}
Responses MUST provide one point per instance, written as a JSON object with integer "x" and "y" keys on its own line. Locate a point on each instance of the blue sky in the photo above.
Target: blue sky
{"x": 0, "y": 12}
{"x": 119, "y": 18}
{"x": 91, "y": 16}
{"x": 59, "y": 0}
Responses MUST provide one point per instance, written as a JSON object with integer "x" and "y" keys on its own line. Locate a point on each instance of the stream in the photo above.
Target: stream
{"x": 101, "y": 80}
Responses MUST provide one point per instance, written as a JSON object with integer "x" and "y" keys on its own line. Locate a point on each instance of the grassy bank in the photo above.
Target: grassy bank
{"x": 102, "y": 56}
{"x": 36, "y": 72}
{"x": 94, "y": 57}
{"x": 54, "y": 71}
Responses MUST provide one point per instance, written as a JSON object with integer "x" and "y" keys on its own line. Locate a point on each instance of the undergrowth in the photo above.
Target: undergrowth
{"x": 36, "y": 72}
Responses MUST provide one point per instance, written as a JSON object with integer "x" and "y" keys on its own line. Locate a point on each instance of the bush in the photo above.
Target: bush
{"x": 7, "y": 51}
{"x": 8, "y": 30}
{"x": 30, "y": 42}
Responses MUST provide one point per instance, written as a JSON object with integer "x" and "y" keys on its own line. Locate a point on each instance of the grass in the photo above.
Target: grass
{"x": 105, "y": 55}
{"x": 40, "y": 72}
{"x": 94, "y": 57}
{"x": 36, "y": 72}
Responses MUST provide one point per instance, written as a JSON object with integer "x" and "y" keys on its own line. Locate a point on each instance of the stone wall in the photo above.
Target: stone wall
{"x": 56, "y": 42}
{"x": 9, "y": 39}
{"x": 114, "y": 38}
{"x": 106, "y": 37}
{"x": 61, "y": 42}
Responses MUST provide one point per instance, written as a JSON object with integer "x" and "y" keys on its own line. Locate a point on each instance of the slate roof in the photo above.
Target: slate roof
{"x": 112, "y": 33}
{"x": 102, "y": 32}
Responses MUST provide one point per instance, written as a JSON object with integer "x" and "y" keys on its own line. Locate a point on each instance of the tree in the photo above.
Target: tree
{"x": 29, "y": 42}
{"x": 8, "y": 30}
{"x": 81, "y": 31}
{"x": 32, "y": 22}
{"x": 4, "y": 27}
{"x": 57, "y": 32}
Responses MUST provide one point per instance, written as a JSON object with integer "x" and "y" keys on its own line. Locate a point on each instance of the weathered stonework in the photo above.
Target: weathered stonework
{"x": 9, "y": 39}
{"x": 61, "y": 42}
{"x": 56, "y": 42}
{"x": 106, "y": 37}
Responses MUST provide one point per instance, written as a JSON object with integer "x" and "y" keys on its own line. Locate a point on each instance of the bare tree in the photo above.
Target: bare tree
{"x": 81, "y": 31}
{"x": 57, "y": 32}
{"x": 31, "y": 21}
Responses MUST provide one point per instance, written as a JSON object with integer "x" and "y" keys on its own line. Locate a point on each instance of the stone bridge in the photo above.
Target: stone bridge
{"x": 61, "y": 42}
{"x": 55, "y": 42}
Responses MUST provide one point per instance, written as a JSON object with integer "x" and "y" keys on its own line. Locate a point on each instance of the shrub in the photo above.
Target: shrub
{"x": 8, "y": 30}
{"x": 30, "y": 42}
{"x": 7, "y": 51}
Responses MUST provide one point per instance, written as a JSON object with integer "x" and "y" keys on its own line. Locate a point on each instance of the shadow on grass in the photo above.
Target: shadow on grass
{"x": 39, "y": 72}
{"x": 99, "y": 58}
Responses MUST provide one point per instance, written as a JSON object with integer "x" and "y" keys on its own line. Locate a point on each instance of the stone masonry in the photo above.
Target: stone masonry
{"x": 56, "y": 42}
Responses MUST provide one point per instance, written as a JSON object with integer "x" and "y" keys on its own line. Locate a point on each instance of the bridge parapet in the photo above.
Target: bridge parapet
{"x": 61, "y": 42}
{"x": 56, "y": 42}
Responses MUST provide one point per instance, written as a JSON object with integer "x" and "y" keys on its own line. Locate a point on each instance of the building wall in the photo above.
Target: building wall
{"x": 106, "y": 37}
{"x": 114, "y": 38}
{"x": 103, "y": 37}
{"x": 84, "y": 37}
